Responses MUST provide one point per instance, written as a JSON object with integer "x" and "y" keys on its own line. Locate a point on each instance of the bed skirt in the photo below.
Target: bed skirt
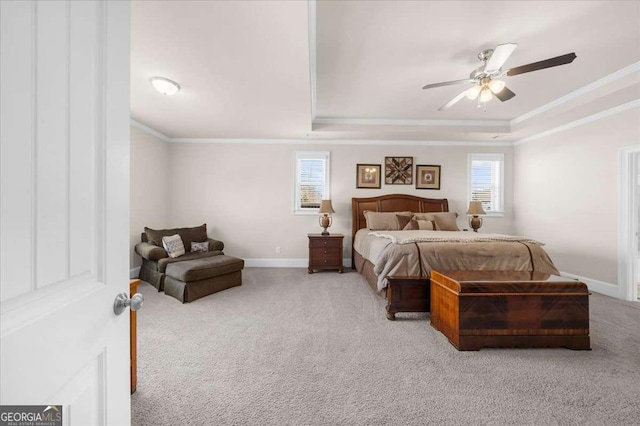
{"x": 365, "y": 268}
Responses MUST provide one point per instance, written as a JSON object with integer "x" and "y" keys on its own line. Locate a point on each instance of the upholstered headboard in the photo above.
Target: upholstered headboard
{"x": 393, "y": 203}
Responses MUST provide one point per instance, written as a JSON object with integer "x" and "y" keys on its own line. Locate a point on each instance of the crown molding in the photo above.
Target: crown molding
{"x": 624, "y": 72}
{"x": 338, "y": 142}
{"x": 236, "y": 141}
{"x": 405, "y": 122}
{"x": 588, "y": 119}
{"x": 149, "y": 130}
{"x": 416, "y": 142}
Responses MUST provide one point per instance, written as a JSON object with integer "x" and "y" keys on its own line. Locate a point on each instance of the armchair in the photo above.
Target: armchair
{"x": 155, "y": 259}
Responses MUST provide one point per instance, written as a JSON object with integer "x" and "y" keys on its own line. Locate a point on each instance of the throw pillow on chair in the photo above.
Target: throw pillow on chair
{"x": 173, "y": 245}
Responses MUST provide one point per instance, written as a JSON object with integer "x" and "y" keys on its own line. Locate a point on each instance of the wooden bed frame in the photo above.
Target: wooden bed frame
{"x": 403, "y": 294}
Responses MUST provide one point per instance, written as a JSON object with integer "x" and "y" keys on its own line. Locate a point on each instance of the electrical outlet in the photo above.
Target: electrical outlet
{"x": 277, "y": 250}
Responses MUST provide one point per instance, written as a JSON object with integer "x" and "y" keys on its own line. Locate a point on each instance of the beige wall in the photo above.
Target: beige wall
{"x": 150, "y": 203}
{"x": 567, "y": 193}
{"x": 244, "y": 192}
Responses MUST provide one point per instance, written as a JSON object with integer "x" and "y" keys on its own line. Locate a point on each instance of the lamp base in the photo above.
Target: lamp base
{"x": 475, "y": 223}
{"x": 325, "y": 222}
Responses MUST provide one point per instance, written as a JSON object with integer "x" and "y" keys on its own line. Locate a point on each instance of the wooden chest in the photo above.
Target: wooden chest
{"x": 477, "y": 309}
{"x": 325, "y": 252}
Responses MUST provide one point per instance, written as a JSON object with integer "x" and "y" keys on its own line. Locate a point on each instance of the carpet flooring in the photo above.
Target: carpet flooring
{"x": 289, "y": 348}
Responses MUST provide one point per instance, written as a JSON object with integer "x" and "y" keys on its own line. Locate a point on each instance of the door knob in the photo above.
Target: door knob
{"x": 122, "y": 301}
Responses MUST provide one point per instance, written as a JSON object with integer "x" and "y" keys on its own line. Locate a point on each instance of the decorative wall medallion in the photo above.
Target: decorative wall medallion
{"x": 427, "y": 177}
{"x": 398, "y": 170}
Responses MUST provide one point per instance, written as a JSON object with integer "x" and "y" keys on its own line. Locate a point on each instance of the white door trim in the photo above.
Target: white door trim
{"x": 627, "y": 239}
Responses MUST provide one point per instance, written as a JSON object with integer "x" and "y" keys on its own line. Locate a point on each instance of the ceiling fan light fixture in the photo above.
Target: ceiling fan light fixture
{"x": 473, "y": 92}
{"x": 165, "y": 86}
{"x": 496, "y": 85}
{"x": 485, "y": 95}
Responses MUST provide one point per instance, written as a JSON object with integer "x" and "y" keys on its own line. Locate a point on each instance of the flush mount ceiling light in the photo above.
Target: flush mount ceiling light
{"x": 165, "y": 86}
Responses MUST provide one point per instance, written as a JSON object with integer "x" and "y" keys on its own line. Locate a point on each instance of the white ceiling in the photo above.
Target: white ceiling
{"x": 355, "y": 69}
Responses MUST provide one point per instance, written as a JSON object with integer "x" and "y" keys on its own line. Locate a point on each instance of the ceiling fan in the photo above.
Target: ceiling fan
{"x": 485, "y": 78}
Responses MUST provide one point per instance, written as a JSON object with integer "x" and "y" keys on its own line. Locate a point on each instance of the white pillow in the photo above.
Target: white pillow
{"x": 202, "y": 247}
{"x": 173, "y": 245}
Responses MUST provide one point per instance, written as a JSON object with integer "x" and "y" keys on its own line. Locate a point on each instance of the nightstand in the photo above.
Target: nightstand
{"x": 325, "y": 252}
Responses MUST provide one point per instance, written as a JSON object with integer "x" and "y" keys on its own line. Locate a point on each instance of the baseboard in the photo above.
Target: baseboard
{"x": 601, "y": 287}
{"x": 263, "y": 263}
{"x": 133, "y": 273}
{"x": 284, "y": 263}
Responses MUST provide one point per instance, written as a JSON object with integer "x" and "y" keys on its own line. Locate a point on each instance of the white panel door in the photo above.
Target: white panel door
{"x": 64, "y": 207}
{"x": 629, "y": 224}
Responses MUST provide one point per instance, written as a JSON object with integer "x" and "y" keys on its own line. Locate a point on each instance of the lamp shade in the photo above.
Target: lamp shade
{"x": 496, "y": 85}
{"x": 473, "y": 92}
{"x": 475, "y": 208}
{"x": 485, "y": 95}
{"x": 326, "y": 207}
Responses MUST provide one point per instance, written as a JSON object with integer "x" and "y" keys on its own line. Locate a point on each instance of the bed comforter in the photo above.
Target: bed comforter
{"x": 417, "y": 253}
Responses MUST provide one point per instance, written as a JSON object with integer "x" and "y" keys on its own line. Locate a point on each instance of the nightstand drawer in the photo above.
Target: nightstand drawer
{"x": 325, "y": 242}
{"x": 321, "y": 254}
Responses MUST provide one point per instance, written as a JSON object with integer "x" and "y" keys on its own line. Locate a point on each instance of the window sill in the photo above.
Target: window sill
{"x": 495, "y": 214}
{"x": 306, "y": 212}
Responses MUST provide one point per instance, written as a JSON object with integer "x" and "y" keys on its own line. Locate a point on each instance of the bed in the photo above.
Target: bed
{"x": 406, "y": 258}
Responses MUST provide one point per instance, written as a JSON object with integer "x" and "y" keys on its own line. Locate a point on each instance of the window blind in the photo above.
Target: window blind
{"x": 312, "y": 180}
{"x": 486, "y": 181}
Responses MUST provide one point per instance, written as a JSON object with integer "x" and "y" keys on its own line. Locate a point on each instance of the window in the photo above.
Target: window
{"x": 486, "y": 182}
{"x": 311, "y": 181}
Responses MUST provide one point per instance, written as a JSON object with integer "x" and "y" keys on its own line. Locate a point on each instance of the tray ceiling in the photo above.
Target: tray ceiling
{"x": 355, "y": 69}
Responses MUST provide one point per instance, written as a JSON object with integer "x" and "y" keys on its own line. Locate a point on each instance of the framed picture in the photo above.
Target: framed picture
{"x": 427, "y": 177}
{"x": 398, "y": 170}
{"x": 368, "y": 175}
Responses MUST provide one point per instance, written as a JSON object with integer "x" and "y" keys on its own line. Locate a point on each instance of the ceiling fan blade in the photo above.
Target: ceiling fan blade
{"x": 453, "y": 101}
{"x": 547, "y": 63}
{"x": 499, "y": 56}
{"x": 449, "y": 83}
{"x": 504, "y": 94}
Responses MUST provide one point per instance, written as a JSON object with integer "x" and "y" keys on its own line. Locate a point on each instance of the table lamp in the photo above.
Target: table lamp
{"x": 475, "y": 209}
{"x": 325, "y": 220}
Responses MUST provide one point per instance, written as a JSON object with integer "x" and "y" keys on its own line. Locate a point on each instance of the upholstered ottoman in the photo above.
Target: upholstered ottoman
{"x": 193, "y": 279}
